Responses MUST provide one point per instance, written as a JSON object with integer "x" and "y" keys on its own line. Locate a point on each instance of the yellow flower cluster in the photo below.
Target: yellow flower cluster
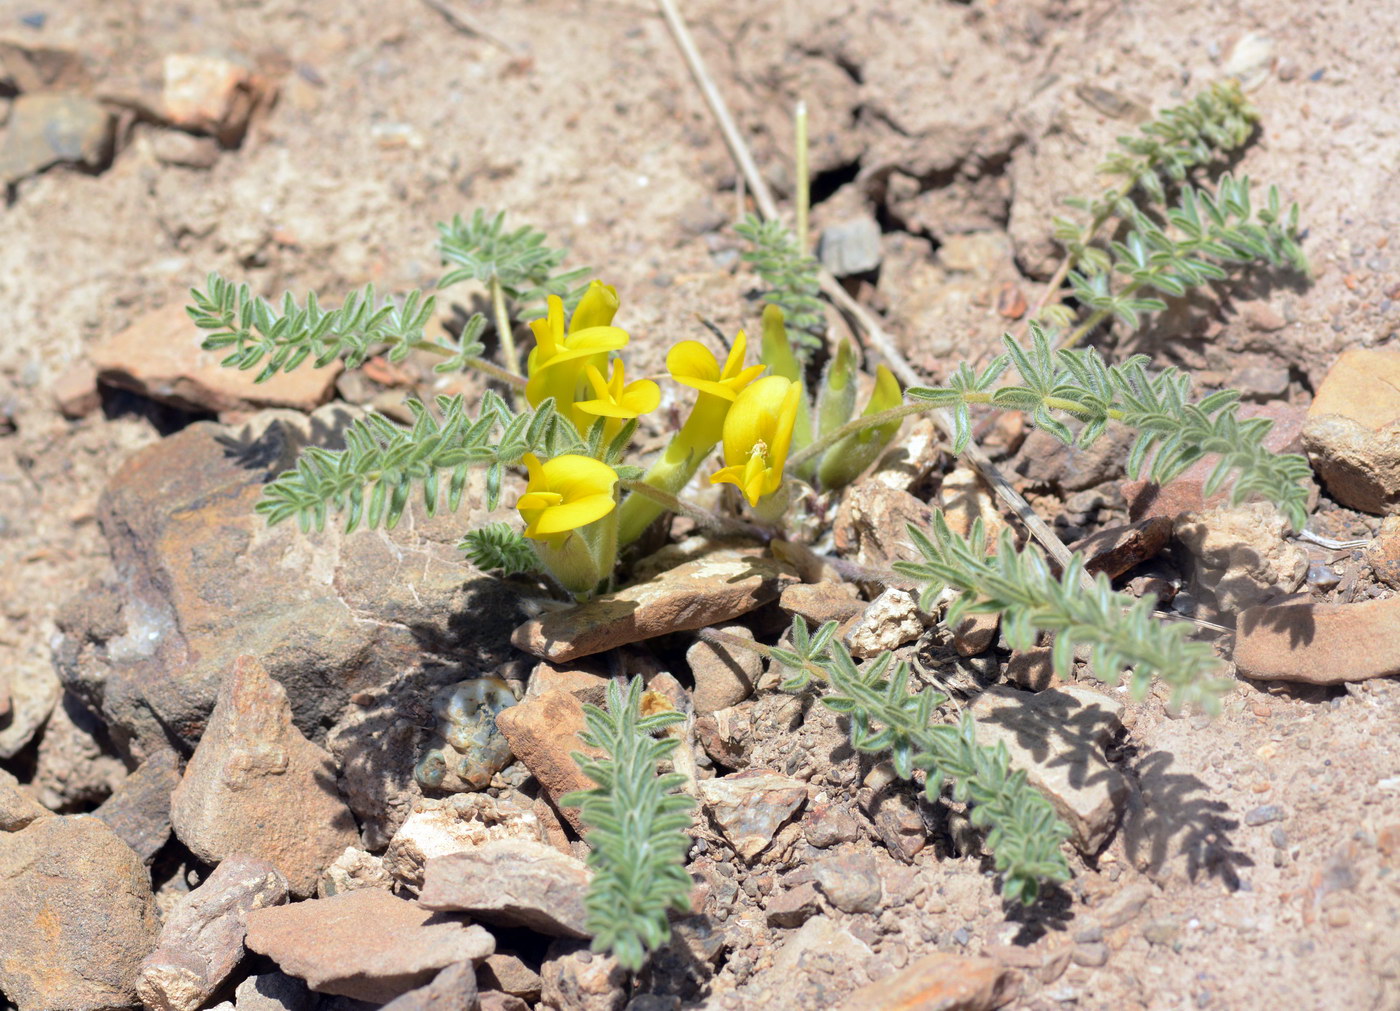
{"x": 573, "y": 494}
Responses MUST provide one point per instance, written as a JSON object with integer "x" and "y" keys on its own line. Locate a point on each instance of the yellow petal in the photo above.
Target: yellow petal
{"x": 577, "y": 513}
{"x": 781, "y": 437}
{"x": 754, "y": 417}
{"x": 641, "y": 397}
{"x": 597, "y": 307}
{"x": 734, "y": 364}
{"x": 690, "y": 362}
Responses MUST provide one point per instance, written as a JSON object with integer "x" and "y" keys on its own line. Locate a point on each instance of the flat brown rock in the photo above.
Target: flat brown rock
{"x": 364, "y": 944}
{"x": 1115, "y": 550}
{"x": 159, "y": 357}
{"x": 1319, "y": 643}
{"x": 255, "y": 786}
{"x": 1363, "y": 384}
{"x": 709, "y": 590}
{"x": 515, "y": 883}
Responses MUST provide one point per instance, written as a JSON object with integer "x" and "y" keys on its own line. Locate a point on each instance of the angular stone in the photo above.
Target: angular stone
{"x": 750, "y": 806}
{"x": 724, "y": 675}
{"x": 1363, "y": 384}
{"x": 365, "y": 944}
{"x": 818, "y": 603}
{"x": 1360, "y": 466}
{"x": 851, "y": 881}
{"x": 355, "y": 868}
{"x": 74, "y": 764}
{"x": 1383, "y": 553}
{"x": 822, "y": 938}
{"x": 586, "y": 685}
{"x": 139, "y": 810}
{"x": 49, "y": 128}
{"x": 871, "y": 524}
{"x": 850, "y": 247}
{"x": 453, "y": 989}
{"x": 892, "y": 620}
{"x": 76, "y": 914}
{"x": 202, "y": 940}
{"x": 1115, "y": 550}
{"x": 506, "y": 972}
{"x": 709, "y": 590}
{"x": 17, "y": 807}
{"x": 213, "y": 95}
{"x": 1057, "y": 737}
{"x": 975, "y": 634}
{"x": 938, "y": 982}
{"x": 274, "y": 991}
{"x": 455, "y": 824}
{"x": 329, "y": 614}
{"x": 1319, "y": 643}
{"x": 575, "y": 979}
{"x": 544, "y": 732}
{"x": 794, "y": 906}
{"x": 75, "y": 390}
{"x": 159, "y": 357}
{"x": 33, "y": 692}
{"x": 255, "y": 786}
{"x": 514, "y": 883}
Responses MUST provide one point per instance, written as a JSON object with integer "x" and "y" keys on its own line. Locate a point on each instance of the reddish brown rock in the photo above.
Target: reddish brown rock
{"x": 202, "y": 940}
{"x": 710, "y": 590}
{"x": 453, "y": 989}
{"x": 1115, "y": 550}
{"x": 76, "y": 914}
{"x": 1363, "y": 384}
{"x": 364, "y": 944}
{"x": 159, "y": 357}
{"x": 724, "y": 675}
{"x": 1320, "y": 644}
{"x": 75, "y": 390}
{"x": 543, "y": 732}
{"x": 576, "y": 679}
{"x": 1360, "y": 466}
{"x": 871, "y": 521}
{"x": 255, "y": 786}
{"x": 514, "y": 883}
{"x": 17, "y": 806}
{"x": 1383, "y": 553}
{"x": 818, "y": 603}
{"x": 938, "y": 982}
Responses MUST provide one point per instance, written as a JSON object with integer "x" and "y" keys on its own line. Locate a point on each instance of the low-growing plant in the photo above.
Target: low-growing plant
{"x": 575, "y": 412}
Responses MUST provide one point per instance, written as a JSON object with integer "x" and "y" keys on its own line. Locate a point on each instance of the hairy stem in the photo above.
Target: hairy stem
{"x": 498, "y": 306}
{"x": 480, "y": 364}
{"x": 860, "y": 424}
{"x": 705, "y": 517}
{"x": 803, "y": 197}
{"x": 1095, "y": 318}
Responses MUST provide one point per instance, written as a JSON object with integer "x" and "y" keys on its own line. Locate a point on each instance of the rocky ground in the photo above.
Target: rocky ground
{"x": 209, "y": 728}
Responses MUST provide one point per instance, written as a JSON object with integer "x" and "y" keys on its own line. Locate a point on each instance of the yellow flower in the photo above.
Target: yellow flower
{"x": 757, "y": 435}
{"x": 692, "y": 364}
{"x": 564, "y": 494}
{"x": 618, "y": 400}
{"x": 557, "y": 361}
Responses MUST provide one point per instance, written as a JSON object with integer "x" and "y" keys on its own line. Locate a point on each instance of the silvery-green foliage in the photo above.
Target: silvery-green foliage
{"x": 482, "y": 250}
{"x": 499, "y": 547}
{"x": 791, "y": 280}
{"x": 637, "y": 822}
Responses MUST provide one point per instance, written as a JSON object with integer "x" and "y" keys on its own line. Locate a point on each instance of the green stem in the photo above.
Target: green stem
{"x": 480, "y": 364}
{"x": 498, "y": 306}
{"x": 851, "y": 428}
{"x": 804, "y": 196}
{"x": 1095, "y": 318}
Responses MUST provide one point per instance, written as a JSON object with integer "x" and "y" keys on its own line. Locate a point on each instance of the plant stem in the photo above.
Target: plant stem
{"x": 480, "y": 364}
{"x": 1095, "y": 318}
{"x": 498, "y": 306}
{"x": 804, "y": 191}
{"x": 851, "y": 428}
{"x": 699, "y": 514}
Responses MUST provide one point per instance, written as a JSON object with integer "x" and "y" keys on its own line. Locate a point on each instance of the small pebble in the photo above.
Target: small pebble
{"x": 1091, "y": 955}
{"x": 962, "y": 936}
{"x": 1090, "y": 935}
{"x": 1278, "y": 837}
{"x": 1160, "y": 931}
{"x": 1264, "y": 814}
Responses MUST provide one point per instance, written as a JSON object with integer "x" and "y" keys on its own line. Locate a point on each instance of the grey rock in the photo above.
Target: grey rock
{"x": 256, "y": 786}
{"x": 751, "y": 806}
{"x": 794, "y": 906}
{"x": 1090, "y": 955}
{"x": 329, "y": 614}
{"x": 827, "y": 825}
{"x": 513, "y": 883}
{"x": 49, "y": 128}
{"x": 504, "y": 971}
{"x": 850, "y": 247}
{"x": 76, "y": 914}
{"x": 1264, "y": 814}
{"x": 364, "y": 944}
{"x": 821, "y": 937}
{"x": 33, "y": 691}
{"x": 1057, "y": 736}
{"x": 453, "y": 989}
{"x": 139, "y": 809}
{"x": 273, "y": 991}
{"x": 75, "y": 766}
{"x": 202, "y": 940}
{"x": 851, "y": 881}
